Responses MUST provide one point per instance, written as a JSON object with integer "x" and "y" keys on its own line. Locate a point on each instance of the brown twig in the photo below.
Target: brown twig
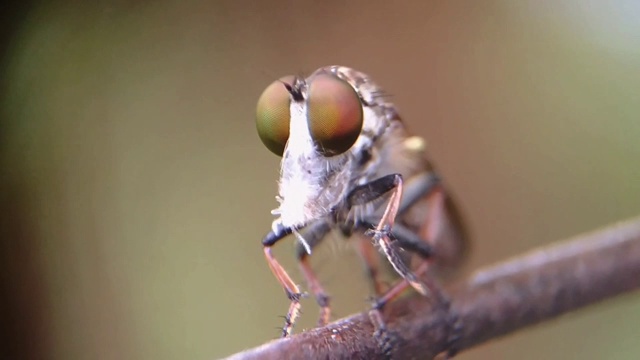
{"x": 493, "y": 301}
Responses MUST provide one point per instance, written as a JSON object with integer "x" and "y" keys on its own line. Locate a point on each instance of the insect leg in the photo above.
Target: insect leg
{"x": 290, "y": 288}
{"x": 314, "y": 235}
{"x": 424, "y": 184}
{"x": 400, "y": 236}
{"x": 415, "y": 189}
{"x": 431, "y": 229}
{"x": 440, "y": 221}
{"x": 367, "y": 193}
{"x": 434, "y": 216}
{"x": 407, "y": 239}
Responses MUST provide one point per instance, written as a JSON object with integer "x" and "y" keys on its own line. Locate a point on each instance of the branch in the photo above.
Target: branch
{"x": 492, "y": 302}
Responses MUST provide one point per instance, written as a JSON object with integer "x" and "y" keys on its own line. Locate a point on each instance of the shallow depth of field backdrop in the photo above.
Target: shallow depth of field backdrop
{"x": 136, "y": 191}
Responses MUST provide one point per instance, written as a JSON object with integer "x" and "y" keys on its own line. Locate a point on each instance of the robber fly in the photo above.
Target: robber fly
{"x": 349, "y": 164}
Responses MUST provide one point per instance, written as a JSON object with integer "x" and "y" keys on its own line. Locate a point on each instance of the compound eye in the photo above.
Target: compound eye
{"x": 335, "y": 114}
{"x": 272, "y": 115}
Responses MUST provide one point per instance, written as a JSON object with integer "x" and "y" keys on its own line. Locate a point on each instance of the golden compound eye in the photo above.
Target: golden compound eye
{"x": 272, "y": 115}
{"x": 335, "y": 114}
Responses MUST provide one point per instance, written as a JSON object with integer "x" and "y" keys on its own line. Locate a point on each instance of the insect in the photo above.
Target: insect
{"x": 349, "y": 164}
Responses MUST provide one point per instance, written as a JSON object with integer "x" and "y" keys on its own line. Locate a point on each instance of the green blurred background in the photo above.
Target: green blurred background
{"x": 135, "y": 191}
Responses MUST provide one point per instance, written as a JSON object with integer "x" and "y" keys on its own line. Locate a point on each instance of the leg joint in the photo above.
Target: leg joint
{"x": 275, "y": 235}
{"x": 294, "y": 297}
{"x": 323, "y": 300}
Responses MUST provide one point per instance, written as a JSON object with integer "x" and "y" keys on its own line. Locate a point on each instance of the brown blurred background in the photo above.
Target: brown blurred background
{"x": 135, "y": 191}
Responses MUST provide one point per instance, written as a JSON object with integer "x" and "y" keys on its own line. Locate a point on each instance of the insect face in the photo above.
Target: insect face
{"x": 312, "y": 123}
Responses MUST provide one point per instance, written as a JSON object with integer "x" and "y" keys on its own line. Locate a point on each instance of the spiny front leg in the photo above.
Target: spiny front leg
{"x": 385, "y": 231}
{"x": 369, "y": 192}
{"x": 290, "y": 288}
{"x": 365, "y": 194}
{"x": 410, "y": 240}
{"x": 422, "y": 243}
{"x": 431, "y": 228}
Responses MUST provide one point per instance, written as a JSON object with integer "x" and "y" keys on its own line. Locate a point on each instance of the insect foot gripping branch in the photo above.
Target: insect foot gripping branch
{"x": 349, "y": 164}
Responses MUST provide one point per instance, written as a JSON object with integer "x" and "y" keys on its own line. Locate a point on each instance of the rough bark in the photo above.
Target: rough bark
{"x": 491, "y": 302}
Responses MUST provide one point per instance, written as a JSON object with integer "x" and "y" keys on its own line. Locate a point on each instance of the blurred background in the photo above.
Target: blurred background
{"x": 135, "y": 190}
